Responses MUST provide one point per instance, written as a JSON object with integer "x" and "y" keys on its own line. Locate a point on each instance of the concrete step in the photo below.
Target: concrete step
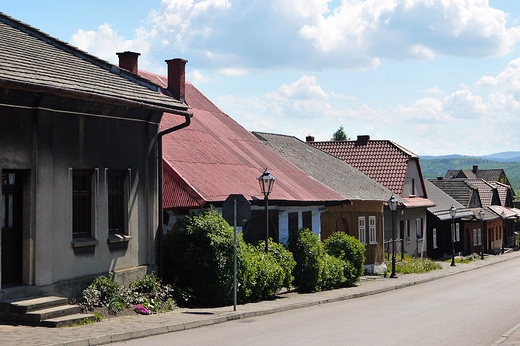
{"x": 35, "y": 317}
{"x": 22, "y": 306}
{"x": 43, "y": 311}
{"x": 70, "y": 320}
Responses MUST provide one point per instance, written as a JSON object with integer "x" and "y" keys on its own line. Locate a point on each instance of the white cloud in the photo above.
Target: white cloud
{"x": 219, "y": 35}
{"x": 105, "y": 42}
{"x": 509, "y": 79}
{"x": 196, "y": 77}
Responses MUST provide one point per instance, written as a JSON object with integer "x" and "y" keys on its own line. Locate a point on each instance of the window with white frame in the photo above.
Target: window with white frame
{"x": 361, "y": 230}
{"x": 457, "y": 232}
{"x": 372, "y": 229}
{"x": 419, "y": 228}
{"x": 434, "y": 233}
{"x": 475, "y": 237}
{"x": 479, "y": 236}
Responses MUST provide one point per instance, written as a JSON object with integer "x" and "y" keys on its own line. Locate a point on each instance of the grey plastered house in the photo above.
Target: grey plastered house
{"x": 78, "y": 160}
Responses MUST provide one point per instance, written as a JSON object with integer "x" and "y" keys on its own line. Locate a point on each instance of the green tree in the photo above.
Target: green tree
{"x": 340, "y": 135}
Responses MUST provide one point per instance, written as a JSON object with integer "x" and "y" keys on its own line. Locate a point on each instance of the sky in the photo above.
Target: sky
{"x": 438, "y": 77}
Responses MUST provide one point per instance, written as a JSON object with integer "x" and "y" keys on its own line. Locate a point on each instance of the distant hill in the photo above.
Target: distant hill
{"x": 438, "y": 166}
{"x": 506, "y": 156}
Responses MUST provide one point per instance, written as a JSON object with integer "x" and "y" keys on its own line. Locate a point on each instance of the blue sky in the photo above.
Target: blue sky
{"x": 436, "y": 76}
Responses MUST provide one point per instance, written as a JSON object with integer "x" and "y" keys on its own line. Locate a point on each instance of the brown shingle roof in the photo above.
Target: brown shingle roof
{"x": 329, "y": 169}
{"x": 34, "y": 60}
{"x": 382, "y": 160}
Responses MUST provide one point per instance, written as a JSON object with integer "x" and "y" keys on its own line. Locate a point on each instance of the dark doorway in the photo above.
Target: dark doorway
{"x": 254, "y": 229}
{"x": 12, "y": 230}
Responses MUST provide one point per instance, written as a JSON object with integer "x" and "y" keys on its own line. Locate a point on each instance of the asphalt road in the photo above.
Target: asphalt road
{"x": 472, "y": 308}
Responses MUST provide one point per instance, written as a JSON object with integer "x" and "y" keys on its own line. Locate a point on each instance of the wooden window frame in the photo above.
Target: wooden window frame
{"x": 372, "y": 230}
{"x": 362, "y": 230}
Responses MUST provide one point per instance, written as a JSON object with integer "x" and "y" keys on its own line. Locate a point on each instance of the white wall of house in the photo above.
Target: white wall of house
{"x": 284, "y": 220}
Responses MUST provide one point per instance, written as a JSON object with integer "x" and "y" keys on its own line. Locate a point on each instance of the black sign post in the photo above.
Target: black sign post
{"x": 236, "y": 210}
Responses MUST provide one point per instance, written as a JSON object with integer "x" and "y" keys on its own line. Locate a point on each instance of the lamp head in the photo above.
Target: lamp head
{"x": 266, "y": 182}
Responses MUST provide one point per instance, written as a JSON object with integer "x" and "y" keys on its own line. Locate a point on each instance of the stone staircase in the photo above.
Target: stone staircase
{"x": 43, "y": 311}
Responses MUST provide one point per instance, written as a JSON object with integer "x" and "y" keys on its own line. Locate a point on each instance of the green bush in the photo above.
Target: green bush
{"x": 147, "y": 291}
{"x": 284, "y": 258}
{"x": 202, "y": 258}
{"x": 315, "y": 269}
{"x": 349, "y": 250}
{"x": 331, "y": 272}
{"x": 259, "y": 275}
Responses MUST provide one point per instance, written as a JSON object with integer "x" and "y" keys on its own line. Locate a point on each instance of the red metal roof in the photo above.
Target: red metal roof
{"x": 215, "y": 157}
{"x": 382, "y": 160}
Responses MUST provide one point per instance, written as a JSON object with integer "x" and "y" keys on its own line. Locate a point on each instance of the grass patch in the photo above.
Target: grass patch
{"x": 415, "y": 266}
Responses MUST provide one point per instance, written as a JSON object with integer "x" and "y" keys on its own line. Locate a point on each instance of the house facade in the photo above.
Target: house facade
{"x": 78, "y": 161}
{"x": 362, "y": 217}
{"x": 397, "y": 169}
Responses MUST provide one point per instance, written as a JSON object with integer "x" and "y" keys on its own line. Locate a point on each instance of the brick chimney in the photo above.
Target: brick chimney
{"x": 177, "y": 78}
{"x": 363, "y": 138}
{"x": 475, "y": 169}
{"x": 128, "y": 61}
{"x": 309, "y": 138}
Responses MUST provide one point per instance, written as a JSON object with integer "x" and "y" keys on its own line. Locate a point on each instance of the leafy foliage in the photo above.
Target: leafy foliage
{"x": 202, "y": 261}
{"x": 315, "y": 269}
{"x": 351, "y": 251}
{"x": 202, "y": 258}
{"x": 340, "y": 135}
{"x": 147, "y": 291}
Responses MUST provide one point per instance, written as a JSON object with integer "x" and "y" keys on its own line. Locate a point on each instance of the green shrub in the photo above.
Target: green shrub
{"x": 259, "y": 275}
{"x": 331, "y": 272}
{"x": 351, "y": 251}
{"x": 147, "y": 291}
{"x": 202, "y": 258}
{"x": 283, "y": 257}
{"x": 307, "y": 251}
{"x": 315, "y": 269}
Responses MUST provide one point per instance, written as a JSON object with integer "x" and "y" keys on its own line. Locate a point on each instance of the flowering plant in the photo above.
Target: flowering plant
{"x": 141, "y": 309}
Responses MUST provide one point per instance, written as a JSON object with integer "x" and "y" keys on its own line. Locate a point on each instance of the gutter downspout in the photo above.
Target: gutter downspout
{"x": 187, "y": 118}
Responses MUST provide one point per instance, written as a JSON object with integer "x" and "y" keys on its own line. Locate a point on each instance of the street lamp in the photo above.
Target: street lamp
{"x": 266, "y": 182}
{"x": 481, "y": 218}
{"x": 453, "y": 212}
{"x": 392, "y": 203}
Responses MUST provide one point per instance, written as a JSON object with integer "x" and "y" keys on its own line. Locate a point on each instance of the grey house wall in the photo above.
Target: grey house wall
{"x": 43, "y": 138}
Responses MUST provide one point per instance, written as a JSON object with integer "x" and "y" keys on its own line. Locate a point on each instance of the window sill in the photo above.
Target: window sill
{"x": 118, "y": 238}
{"x": 84, "y": 242}
{"x": 373, "y": 243}
{"x": 420, "y": 239}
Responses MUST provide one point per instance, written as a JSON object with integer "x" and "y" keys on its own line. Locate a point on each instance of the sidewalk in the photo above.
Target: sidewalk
{"x": 137, "y": 326}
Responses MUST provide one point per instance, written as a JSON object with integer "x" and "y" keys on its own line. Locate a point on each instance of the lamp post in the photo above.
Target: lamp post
{"x": 481, "y": 218}
{"x": 453, "y": 212}
{"x": 266, "y": 182}
{"x": 392, "y": 203}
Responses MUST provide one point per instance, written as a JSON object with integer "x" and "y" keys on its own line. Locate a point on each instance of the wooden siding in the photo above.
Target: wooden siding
{"x": 344, "y": 218}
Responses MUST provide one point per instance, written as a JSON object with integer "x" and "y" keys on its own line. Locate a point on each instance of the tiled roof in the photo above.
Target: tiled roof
{"x": 458, "y": 189}
{"x": 33, "y": 60}
{"x": 444, "y": 202}
{"x": 486, "y": 174}
{"x": 485, "y": 190}
{"x": 215, "y": 157}
{"x": 382, "y": 160}
{"x": 328, "y": 169}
